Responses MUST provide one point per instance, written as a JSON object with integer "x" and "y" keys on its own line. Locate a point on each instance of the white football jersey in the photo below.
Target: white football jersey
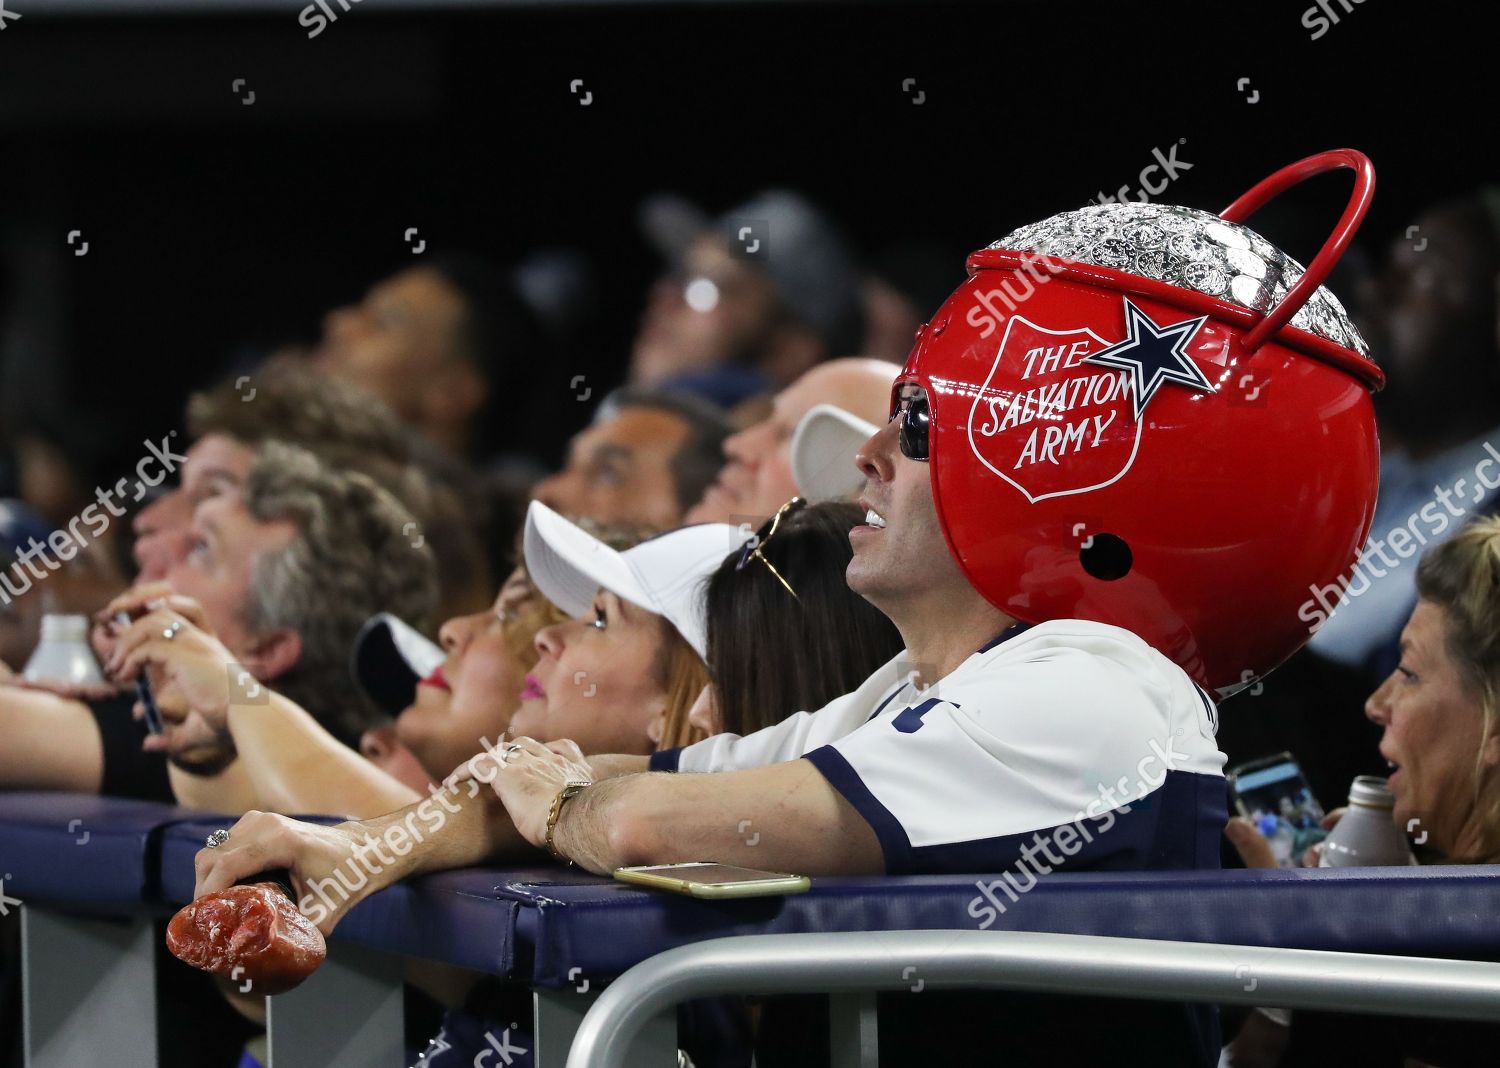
{"x": 1070, "y": 740}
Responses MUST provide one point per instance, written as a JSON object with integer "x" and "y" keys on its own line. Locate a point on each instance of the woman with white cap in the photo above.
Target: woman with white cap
{"x": 623, "y": 673}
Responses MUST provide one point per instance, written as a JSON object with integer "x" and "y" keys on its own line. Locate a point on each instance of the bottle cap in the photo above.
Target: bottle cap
{"x": 64, "y": 628}
{"x": 1371, "y": 791}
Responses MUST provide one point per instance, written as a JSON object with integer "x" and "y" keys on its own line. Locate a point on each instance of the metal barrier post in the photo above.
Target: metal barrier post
{"x": 348, "y": 1014}
{"x": 88, "y": 990}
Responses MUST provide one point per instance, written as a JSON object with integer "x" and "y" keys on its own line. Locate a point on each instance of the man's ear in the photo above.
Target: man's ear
{"x": 273, "y": 654}
{"x": 377, "y": 743}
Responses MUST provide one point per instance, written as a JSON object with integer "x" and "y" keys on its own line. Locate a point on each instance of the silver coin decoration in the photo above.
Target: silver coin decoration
{"x": 1190, "y": 249}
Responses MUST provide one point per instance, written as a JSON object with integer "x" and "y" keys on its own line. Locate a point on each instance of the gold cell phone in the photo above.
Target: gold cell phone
{"x": 704, "y": 879}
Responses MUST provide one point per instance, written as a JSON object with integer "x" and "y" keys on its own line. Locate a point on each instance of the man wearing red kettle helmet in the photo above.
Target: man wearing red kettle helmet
{"x": 1089, "y": 510}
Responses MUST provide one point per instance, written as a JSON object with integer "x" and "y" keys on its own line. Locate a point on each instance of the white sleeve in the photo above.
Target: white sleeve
{"x": 963, "y": 781}
{"x": 793, "y": 737}
{"x": 732, "y": 752}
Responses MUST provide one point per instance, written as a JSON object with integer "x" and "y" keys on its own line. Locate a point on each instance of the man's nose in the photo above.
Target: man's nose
{"x": 876, "y": 458}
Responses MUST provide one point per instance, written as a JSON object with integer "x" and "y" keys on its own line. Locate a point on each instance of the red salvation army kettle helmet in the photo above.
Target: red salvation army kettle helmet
{"x": 1149, "y": 416}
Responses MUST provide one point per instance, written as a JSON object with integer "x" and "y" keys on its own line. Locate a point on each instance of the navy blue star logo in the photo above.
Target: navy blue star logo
{"x": 1154, "y": 355}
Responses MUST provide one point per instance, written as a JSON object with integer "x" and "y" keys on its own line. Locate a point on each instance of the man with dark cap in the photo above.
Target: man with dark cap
{"x": 751, "y": 300}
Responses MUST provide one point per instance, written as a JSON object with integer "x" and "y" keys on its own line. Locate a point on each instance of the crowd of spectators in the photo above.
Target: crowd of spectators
{"x": 354, "y": 582}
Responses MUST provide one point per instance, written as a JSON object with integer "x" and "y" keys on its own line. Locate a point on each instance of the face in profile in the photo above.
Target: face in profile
{"x": 396, "y": 339}
{"x": 757, "y": 477}
{"x": 224, "y": 542}
{"x": 705, "y": 314}
{"x": 619, "y": 471}
{"x": 899, "y": 551}
{"x": 1434, "y": 734}
{"x": 470, "y": 698}
{"x": 1429, "y": 316}
{"x": 215, "y": 465}
{"x": 598, "y": 680}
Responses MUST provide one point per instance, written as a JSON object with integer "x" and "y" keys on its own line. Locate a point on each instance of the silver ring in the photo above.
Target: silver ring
{"x": 171, "y": 629}
{"x": 217, "y": 839}
{"x": 509, "y": 749}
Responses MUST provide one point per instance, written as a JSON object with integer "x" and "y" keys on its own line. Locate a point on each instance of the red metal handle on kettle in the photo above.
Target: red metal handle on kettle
{"x": 1278, "y": 183}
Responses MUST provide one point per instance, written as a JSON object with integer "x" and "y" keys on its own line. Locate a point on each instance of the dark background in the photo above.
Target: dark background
{"x": 214, "y": 227}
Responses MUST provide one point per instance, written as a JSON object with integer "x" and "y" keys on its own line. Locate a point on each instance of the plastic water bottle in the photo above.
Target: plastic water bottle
{"x": 1280, "y": 837}
{"x": 1366, "y": 837}
{"x": 63, "y": 654}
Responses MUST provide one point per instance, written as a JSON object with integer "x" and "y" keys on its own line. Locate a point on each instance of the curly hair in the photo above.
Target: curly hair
{"x": 297, "y": 404}
{"x": 347, "y": 429}
{"x": 355, "y": 554}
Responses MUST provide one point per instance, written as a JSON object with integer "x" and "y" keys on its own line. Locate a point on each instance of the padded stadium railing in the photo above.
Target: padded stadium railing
{"x": 91, "y": 875}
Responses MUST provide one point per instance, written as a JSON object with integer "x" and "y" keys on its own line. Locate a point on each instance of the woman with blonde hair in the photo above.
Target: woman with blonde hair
{"x": 472, "y": 695}
{"x": 1440, "y": 711}
{"x": 1440, "y": 707}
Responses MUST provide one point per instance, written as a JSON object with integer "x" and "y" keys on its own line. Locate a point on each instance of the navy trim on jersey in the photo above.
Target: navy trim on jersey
{"x": 666, "y": 759}
{"x": 881, "y": 707}
{"x": 843, "y": 778}
{"x": 1005, "y": 635}
{"x": 1176, "y": 826}
{"x": 1209, "y": 707}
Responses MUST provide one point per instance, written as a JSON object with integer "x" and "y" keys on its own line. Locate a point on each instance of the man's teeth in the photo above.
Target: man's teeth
{"x": 873, "y": 519}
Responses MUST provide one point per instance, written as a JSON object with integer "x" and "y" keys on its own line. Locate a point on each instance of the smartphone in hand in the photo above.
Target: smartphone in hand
{"x": 1273, "y": 794}
{"x": 143, "y": 688}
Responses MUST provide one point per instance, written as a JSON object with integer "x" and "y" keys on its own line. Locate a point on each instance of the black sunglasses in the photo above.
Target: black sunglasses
{"x": 915, "y": 415}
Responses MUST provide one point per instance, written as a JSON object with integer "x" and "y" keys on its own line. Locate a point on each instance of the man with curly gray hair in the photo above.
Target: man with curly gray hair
{"x": 275, "y": 584}
{"x": 357, "y": 552}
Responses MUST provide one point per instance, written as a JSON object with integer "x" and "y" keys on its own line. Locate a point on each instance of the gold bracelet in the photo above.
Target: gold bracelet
{"x": 570, "y": 789}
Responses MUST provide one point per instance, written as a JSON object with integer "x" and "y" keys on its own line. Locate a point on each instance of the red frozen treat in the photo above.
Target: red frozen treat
{"x": 250, "y": 933}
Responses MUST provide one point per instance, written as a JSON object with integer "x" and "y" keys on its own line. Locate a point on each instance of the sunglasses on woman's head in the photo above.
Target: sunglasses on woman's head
{"x": 912, "y": 410}
{"x": 766, "y": 533}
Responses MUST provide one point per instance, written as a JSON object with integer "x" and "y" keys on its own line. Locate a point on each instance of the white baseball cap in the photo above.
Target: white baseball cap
{"x": 823, "y": 449}
{"x": 666, "y": 575}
